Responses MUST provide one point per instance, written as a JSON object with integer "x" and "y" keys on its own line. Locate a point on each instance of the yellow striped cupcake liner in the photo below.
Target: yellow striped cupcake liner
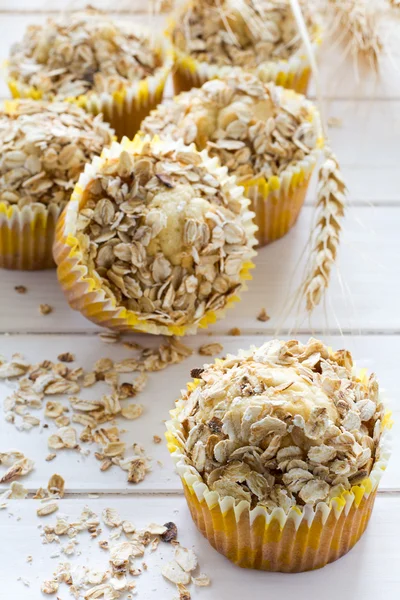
{"x": 124, "y": 109}
{"x": 83, "y": 288}
{"x": 303, "y": 539}
{"x": 27, "y": 236}
{"x": 293, "y": 73}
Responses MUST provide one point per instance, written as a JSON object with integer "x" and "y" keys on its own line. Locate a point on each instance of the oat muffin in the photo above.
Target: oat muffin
{"x": 115, "y": 68}
{"x": 43, "y": 149}
{"x": 281, "y": 449}
{"x": 157, "y": 238}
{"x": 268, "y": 137}
{"x": 260, "y": 36}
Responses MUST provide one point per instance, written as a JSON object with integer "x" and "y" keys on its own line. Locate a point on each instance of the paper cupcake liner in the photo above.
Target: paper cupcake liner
{"x": 27, "y": 236}
{"x": 124, "y": 109}
{"x": 277, "y": 202}
{"x": 293, "y": 73}
{"x": 303, "y": 539}
{"x": 83, "y": 289}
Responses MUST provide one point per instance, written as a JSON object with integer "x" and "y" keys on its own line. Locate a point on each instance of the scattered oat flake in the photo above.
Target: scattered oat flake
{"x": 66, "y": 357}
{"x": 263, "y": 316}
{"x": 110, "y": 337}
{"x": 184, "y": 593}
{"x": 201, "y": 580}
{"x": 132, "y": 411}
{"x": 174, "y": 573}
{"x": 111, "y": 517}
{"x": 210, "y": 349}
{"x": 47, "y": 509}
{"x": 50, "y": 457}
{"x": 186, "y": 559}
{"x": 20, "y": 289}
{"x": 20, "y": 468}
{"x": 45, "y": 309}
{"x": 56, "y": 485}
{"x": 50, "y": 586}
{"x": 335, "y": 122}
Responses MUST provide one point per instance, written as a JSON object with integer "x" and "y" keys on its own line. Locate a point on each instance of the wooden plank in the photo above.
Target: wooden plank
{"x": 368, "y": 571}
{"x": 368, "y": 265}
{"x": 377, "y": 353}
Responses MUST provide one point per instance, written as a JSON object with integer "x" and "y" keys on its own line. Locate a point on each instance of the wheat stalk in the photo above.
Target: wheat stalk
{"x": 355, "y": 25}
{"x": 325, "y": 240}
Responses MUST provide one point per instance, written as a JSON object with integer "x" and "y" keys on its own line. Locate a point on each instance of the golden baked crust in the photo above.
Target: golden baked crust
{"x": 285, "y": 424}
{"x": 44, "y": 148}
{"x": 83, "y": 52}
{"x": 255, "y": 129}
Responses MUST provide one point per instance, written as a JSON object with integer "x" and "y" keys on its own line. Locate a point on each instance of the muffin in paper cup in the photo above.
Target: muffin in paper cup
{"x": 156, "y": 238}
{"x": 104, "y": 67}
{"x": 261, "y": 40}
{"x": 43, "y": 149}
{"x": 267, "y": 136}
{"x": 280, "y": 451}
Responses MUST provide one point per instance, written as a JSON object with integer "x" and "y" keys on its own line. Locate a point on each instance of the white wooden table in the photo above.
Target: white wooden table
{"x": 363, "y": 316}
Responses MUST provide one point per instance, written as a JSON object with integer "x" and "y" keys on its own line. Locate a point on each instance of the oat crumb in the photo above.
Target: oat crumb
{"x": 45, "y": 309}
{"x": 210, "y": 349}
{"x": 263, "y": 316}
{"x": 157, "y": 439}
{"x": 235, "y": 331}
{"x": 20, "y": 289}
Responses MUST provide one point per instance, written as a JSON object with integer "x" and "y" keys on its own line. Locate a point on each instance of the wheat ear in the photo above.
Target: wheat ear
{"x": 355, "y": 24}
{"x": 326, "y": 237}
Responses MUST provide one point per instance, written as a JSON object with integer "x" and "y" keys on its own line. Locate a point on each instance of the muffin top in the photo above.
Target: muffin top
{"x": 254, "y": 128}
{"x": 282, "y": 425}
{"x": 44, "y": 148}
{"x": 245, "y": 33}
{"x": 164, "y": 230}
{"x": 82, "y": 52}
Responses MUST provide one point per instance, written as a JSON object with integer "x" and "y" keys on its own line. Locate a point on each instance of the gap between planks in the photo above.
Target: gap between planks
{"x": 208, "y": 333}
{"x": 170, "y": 494}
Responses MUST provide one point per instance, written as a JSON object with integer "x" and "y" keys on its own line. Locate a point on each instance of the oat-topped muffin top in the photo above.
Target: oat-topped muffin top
{"x": 283, "y": 424}
{"x": 254, "y": 128}
{"x": 43, "y": 149}
{"x": 165, "y": 230}
{"x": 84, "y": 51}
{"x": 245, "y": 33}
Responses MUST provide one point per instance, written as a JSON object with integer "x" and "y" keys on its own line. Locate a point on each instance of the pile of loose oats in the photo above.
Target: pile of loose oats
{"x": 43, "y": 149}
{"x": 254, "y": 128}
{"x": 285, "y": 424}
{"x": 37, "y": 384}
{"x": 244, "y": 33}
{"x": 164, "y": 233}
{"x": 125, "y": 557}
{"x": 81, "y": 52}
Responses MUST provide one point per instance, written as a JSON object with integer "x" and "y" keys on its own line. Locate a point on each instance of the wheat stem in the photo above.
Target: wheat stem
{"x": 325, "y": 242}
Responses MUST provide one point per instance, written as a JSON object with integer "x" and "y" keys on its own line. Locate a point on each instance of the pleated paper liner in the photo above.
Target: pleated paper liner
{"x": 83, "y": 288}
{"x": 123, "y": 109}
{"x": 277, "y": 202}
{"x": 27, "y": 236}
{"x": 305, "y": 538}
{"x": 293, "y": 73}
